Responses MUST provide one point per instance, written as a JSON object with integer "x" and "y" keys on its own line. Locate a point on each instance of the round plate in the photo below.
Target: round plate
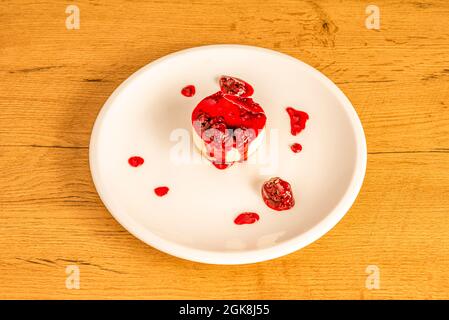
{"x": 147, "y": 116}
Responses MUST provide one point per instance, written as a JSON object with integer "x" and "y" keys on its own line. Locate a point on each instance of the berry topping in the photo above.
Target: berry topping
{"x": 277, "y": 194}
{"x": 235, "y": 86}
{"x": 224, "y": 122}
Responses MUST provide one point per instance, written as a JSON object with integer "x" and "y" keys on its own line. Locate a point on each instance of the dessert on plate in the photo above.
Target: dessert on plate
{"x": 228, "y": 125}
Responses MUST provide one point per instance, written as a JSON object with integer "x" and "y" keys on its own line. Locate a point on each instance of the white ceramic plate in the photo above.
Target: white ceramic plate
{"x": 195, "y": 219}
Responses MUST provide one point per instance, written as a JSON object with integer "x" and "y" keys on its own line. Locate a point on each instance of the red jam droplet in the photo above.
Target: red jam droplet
{"x": 135, "y": 161}
{"x": 235, "y": 86}
{"x": 188, "y": 91}
{"x": 225, "y": 122}
{"x": 296, "y": 147}
{"x": 161, "y": 191}
{"x": 246, "y": 218}
{"x": 298, "y": 120}
{"x": 277, "y": 194}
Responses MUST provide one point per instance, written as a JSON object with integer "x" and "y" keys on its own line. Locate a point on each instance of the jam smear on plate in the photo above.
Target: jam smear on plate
{"x": 161, "y": 191}
{"x": 298, "y": 120}
{"x": 296, "y": 147}
{"x": 188, "y": 91}
{"x": 135, "y": 161}
{"x": 246, "y": 218}
{"x": 277, "y": 194}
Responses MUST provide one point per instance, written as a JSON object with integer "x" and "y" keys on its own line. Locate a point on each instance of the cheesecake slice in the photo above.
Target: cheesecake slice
{"x": 228, "y": 126}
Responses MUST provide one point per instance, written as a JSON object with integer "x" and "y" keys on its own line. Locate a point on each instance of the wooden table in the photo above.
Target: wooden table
{"x": 53, "y": 82}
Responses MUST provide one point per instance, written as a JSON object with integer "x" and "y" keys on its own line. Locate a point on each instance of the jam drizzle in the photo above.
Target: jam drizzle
{"x": 136, "y": 161}
{"x": 161, "y": 191}
{"x": 221, "y": 166}
{"x": 188, "y": 91}
{"x": 246, "y": 218}
{"x": 298, "y": 120}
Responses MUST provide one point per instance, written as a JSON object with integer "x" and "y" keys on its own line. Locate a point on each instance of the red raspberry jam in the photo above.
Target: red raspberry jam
{"x": 296, "y": 147}
{"x": 298, "y": 120}
{"x": 277, "y": 194}
{"x": 246, "y": 218}
{"x": 161, "y": 191}
{"x": 235, "y": 86}
{"x": 135, "y": 161}
{"x": 188, "y": 91}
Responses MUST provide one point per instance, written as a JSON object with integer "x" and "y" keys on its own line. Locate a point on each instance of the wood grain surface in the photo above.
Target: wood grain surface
{"x": 53, "y": 82}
